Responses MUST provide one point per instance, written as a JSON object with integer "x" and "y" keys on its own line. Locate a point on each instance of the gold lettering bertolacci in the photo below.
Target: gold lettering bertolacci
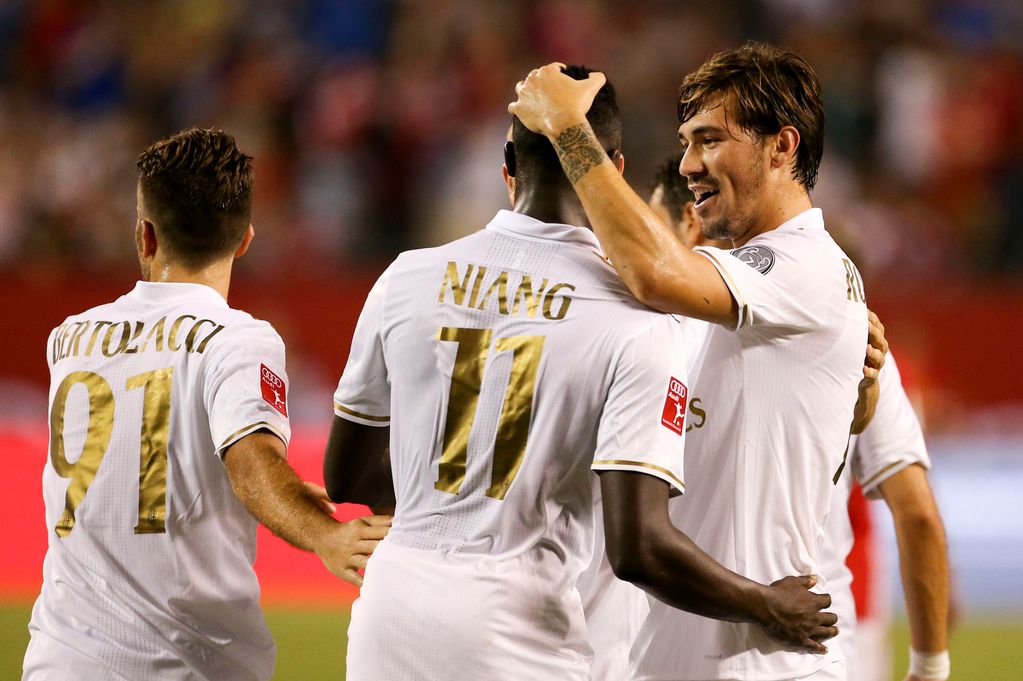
{"x": 123, "y": 337}
{"x": 525, "y": 300}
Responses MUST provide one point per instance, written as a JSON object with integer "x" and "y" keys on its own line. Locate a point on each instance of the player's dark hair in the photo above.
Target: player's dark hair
{"x": 764, "y": 88}
{"x": 197, "y": 187}
{"x": 535, "y": 157}
{"x": 674, "y": 188}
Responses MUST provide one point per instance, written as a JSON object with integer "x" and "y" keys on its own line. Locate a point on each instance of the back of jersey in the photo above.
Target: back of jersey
{"x": 508, "y": 364}
{"x": 149, "y": 567}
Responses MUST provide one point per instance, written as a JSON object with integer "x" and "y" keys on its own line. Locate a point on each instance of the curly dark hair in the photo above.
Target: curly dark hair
{"x": 765, "y": 88}
{"x": 198, "y": 189}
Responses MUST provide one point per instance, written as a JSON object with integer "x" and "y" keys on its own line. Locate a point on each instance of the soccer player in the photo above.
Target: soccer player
{"x": 168, "y": 429}
{"x": 506, "y": 366}
{"x": 889, "y": 460}
{"x": 671, "y": 200}
{"x": 779, "y": 373}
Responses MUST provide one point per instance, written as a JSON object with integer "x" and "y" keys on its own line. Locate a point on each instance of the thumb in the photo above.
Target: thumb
{"x": 595, "y": 80}
{"x": 807, "y": 581}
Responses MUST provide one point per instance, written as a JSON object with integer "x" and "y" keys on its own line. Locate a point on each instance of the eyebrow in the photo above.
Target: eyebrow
{"x": 703, "y": 130}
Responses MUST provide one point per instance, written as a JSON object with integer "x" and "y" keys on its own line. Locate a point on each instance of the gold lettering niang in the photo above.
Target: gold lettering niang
{"x": 122, "y": 337}
{"x": 525, "y": 300}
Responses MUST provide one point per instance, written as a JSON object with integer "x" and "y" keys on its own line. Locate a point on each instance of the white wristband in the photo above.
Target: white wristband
{"x": 929, "y": 665}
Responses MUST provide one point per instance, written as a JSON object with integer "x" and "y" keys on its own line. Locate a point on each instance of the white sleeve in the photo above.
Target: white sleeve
{"x": 767, "y": 296}
{"x": 893, "y": 440}
{"x": 363, "y": 394}
{"x": 642, "y": 426}
{"x": 246, "y": 385}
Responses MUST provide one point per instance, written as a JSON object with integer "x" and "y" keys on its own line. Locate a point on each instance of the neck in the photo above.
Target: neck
{"x": 560, "y": 207}
{"x": 217, "y": 275}
{"x": 790, "y": 201}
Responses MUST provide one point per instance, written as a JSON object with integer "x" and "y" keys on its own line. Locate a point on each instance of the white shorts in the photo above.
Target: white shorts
{"x": 429, "y": 616}
{"x": 834, "y": 671}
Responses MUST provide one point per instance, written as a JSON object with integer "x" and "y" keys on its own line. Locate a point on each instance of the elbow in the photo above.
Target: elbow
{"x": 631, "y": 561}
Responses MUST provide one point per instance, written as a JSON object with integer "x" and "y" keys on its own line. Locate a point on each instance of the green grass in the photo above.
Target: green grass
{"x": 310, "y": 645}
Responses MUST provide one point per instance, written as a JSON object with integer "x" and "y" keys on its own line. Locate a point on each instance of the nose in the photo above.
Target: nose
{"x": 691, "y": 163}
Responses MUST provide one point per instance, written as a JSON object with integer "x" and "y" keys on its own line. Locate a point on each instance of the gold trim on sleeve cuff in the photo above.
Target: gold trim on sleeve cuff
{"x": 352, "y": 412}
{"x": 251, "y": 427}
{"x": 641, "y": 464}
{"x": 868, "y": 484}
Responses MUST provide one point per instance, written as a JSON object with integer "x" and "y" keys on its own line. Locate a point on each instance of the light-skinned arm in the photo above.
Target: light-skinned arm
{"x": 654, "y": 264}
{"x": 923, "y": 558}
{"x": 272, "y": 492}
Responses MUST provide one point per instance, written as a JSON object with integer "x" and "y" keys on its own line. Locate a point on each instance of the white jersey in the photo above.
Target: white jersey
{"x": 514, "y": 361}
{"x": 891, "y": 442}
{"x": 615, "y": 609}
{"x": 778, "y": 394}
{"x": 149, "y": 568}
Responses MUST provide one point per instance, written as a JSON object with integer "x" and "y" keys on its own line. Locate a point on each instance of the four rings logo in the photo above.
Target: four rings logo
{"x": 673, "y": 416}
{"x": 273, "y": 389}
{"x": 760, "y": 258}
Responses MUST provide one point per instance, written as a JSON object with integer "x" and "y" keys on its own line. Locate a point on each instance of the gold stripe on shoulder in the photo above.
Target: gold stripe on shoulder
{"x": 378, "y": 419}
{"x": 867, "y": 484}
{"x": 641, "y": 464}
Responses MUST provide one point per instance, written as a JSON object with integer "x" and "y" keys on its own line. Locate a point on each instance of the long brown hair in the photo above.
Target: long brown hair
{"x": 764, "y": 88}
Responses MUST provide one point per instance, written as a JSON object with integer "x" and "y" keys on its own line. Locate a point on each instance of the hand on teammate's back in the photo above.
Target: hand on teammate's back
{"x": 351, "y": 544}
{"x": 794, "y": 614}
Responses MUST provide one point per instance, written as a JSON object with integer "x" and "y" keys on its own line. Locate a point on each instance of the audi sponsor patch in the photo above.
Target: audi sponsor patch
{"x": 674, "y": 415}
{"x": 273, "y": 389}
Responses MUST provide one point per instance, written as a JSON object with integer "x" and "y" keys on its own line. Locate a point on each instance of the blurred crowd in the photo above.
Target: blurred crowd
{"x": 378, "y": 125}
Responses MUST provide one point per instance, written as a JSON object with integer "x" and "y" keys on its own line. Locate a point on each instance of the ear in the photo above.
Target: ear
{"x": 509, "y": 182}
{"x": 619, "y": 160}
{"x": 146, "y": 238}
{"x": 786, "y": 143}
{"x": 246, "y": 240}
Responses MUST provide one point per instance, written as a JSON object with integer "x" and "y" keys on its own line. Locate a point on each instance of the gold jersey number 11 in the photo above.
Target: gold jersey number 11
{"x": 463, "y": 398}
{"x": 156, "y": 395}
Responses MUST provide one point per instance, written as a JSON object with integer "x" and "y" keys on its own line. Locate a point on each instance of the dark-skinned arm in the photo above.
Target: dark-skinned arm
{"x": 357, "y": 465}
{"x": 271, "y": 491}
{"x": 646, "y": 549}
{"x": 654, "y": 264}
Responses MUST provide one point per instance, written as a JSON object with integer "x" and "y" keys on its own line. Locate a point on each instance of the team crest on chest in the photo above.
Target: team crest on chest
{"x": 274, "y": 391}
{"x": 673, "y": 416}
{"x": 760, "y": 258}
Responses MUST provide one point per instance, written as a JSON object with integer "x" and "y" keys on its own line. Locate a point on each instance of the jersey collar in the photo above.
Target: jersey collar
{"x": 531, "y": 228}
{"x": 160, "y": 291}
{"x": 811, "y": 218}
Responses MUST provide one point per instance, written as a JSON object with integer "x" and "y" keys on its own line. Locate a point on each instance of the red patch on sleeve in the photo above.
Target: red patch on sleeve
{"x": 274, "y": 391}
{"x": 674, "y": 415}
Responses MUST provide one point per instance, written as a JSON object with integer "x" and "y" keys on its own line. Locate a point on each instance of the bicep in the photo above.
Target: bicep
{"x": 355, "y": 454}
{"x": 635, "y": 505}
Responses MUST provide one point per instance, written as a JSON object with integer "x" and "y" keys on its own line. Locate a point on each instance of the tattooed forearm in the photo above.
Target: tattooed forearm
{"x": 579, "y": 151}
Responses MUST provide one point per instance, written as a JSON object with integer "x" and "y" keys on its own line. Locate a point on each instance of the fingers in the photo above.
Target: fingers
{"x": 377, "y": 520}
{"x": 874, "y": 358}
{"x": 823, "y": 601}
{"x": 319, "y": 495}
{"x": 352, "y": 577}
{"x": 366, "y": 546}
{"x": 365, "y": 532}
{"x": 827, "y": 619}
{"x": 814, "y": 646}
